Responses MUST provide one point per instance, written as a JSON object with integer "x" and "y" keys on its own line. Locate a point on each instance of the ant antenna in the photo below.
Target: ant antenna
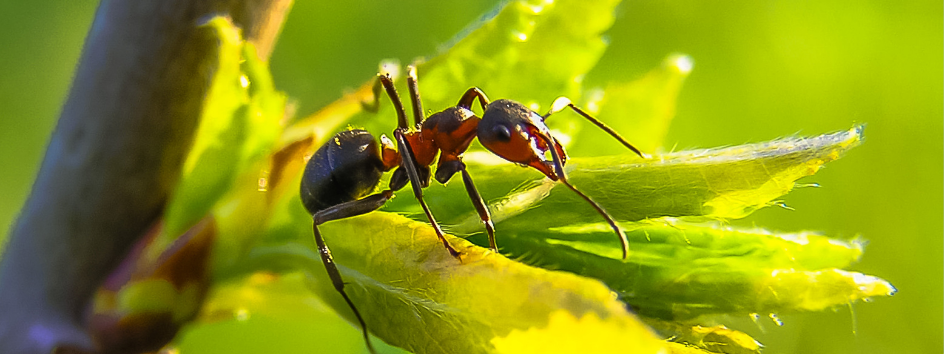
{"x": 562, "y": 102}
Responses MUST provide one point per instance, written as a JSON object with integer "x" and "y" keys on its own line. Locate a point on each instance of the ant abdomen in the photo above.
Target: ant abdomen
{"x": 348, "y": 167}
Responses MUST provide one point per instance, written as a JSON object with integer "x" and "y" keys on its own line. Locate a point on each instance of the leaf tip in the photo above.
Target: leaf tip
{"x": 682, "y": 63}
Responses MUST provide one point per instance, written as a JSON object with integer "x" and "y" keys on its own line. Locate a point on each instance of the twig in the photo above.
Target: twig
{"x": 114, "y": 156}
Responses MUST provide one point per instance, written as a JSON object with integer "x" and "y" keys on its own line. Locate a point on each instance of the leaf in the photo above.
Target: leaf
{"x": 553, "y": 44}
{"x": 714, "y": 339}
{"x": 239, "y": 124}
{"x": 711, "y": 184}
{"x": 681, "y": 271}
{"x": 416, "y": 296}
{"x": 595, "y": 336}
{"x": 532, "y": 51}
{"x": 678, "y": 270}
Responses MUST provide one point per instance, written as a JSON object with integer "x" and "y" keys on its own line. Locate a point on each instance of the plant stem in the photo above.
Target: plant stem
{"x": 114, "y": 157}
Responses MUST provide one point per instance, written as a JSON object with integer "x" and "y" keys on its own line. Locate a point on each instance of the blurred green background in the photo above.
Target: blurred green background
{"x": 764, "y": 69}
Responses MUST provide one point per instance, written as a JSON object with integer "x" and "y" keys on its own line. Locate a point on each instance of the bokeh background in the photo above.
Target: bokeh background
{"x": 763, "y": 69}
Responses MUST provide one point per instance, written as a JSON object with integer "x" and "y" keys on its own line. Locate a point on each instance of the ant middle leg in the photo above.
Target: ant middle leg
{"x": 445, "y": 171}
{"x": 339, "y": 284}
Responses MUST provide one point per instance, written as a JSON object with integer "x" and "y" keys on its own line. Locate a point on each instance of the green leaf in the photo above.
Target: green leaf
{"x": 712, "y": 339}
{"x": 553, "y": 44}
{"x": 212, "y": 162}
{"x": 681, "y": 271}
{"x": 712, "y": 184}
{"x": 531, "y": 51}
{"x": 239, "y": 125}
{"x": 416, "y": 296}
{"x": 675, "y": 270}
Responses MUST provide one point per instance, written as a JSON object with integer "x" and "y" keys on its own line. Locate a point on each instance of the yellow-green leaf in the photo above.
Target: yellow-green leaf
{"x": 239, "y": 124}
{"x": 414, "y": 294}
{"x": 682, "y": 271}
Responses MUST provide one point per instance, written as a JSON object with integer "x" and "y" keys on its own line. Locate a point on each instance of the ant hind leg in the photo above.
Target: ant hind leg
{"x": 341, "y": 211}
{"x": 339, "y": 283}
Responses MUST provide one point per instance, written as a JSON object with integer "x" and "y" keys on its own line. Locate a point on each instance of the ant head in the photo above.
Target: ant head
{"x": 518, "y": 134}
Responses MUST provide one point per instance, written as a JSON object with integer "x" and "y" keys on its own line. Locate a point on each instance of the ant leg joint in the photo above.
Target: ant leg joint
{"x": 446, "y": 170}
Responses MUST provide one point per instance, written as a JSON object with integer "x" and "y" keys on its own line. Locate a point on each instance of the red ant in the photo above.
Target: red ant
{"x": 341, "y": 175}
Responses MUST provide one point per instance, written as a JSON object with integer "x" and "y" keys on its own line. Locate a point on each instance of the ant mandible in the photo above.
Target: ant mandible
{"x": 340, "y": 176}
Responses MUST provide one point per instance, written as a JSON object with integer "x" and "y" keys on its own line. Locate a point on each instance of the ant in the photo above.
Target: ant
{"x": 340, "y": 177}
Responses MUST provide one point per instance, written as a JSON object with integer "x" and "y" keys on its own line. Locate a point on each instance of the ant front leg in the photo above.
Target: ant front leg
{"x": 409, "y": 164}
{"x": 341, "y": 211}
{"x": 445, "y": 171}
{"x": 563, "y": 102}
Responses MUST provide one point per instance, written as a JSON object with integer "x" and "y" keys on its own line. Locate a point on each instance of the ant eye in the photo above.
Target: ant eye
{"x": 502, "y": 133}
